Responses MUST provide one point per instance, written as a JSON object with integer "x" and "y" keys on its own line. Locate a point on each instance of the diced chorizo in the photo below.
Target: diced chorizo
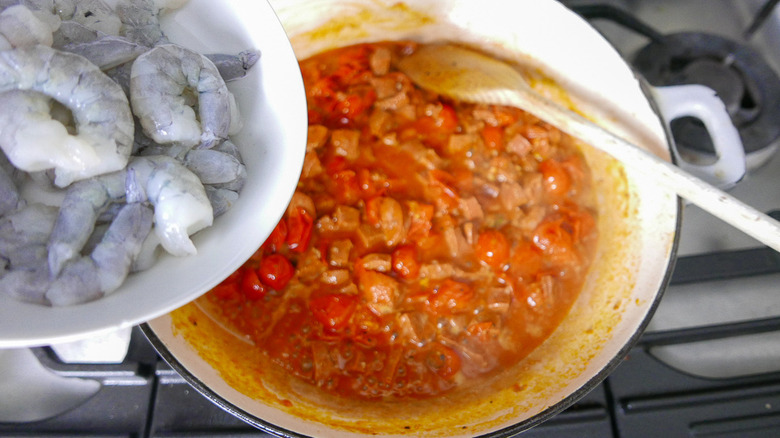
{"x": 379, "y": 122}
{"x": 422, "y": 154}
{"x": 304, "y": 201}
{"x": 377, "y": 262}
{"x": 379, "y": 291}
{"x": 470, "y": 209}
{"x": 458, "y": 143}
{"x": 457, "y": 245}
{"x": 310, "y": 265}
{"x": 519, "y": 145}
{"x": 533, "y": 185}
{"x": 317, "y": 136}
{"x": 436, "y": 270}
{"x": 335, "y": 277}
{"x": 369, "y": 238}
{"x": 512, "y": 195}
{"x": 380, "y": 61}
{"x": 385, "y": 86}
{"x": 391, "y": 221}
{"x": 393, "y": 103}
{"x": 343, "y": 220}
{"x": 311, "y": 165}
{"x": 531, "y": 219}
{"x": 338, "y": 253}
{"x": 345, "y": 143}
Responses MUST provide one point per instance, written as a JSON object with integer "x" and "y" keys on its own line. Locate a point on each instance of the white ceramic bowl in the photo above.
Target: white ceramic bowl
{"x": 272, "y": 142}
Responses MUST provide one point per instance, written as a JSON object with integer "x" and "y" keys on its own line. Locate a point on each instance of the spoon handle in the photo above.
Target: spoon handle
{"x": 715, "y": 201}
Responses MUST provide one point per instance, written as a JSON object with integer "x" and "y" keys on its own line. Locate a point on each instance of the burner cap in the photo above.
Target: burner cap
{"x": 747, "y": 85}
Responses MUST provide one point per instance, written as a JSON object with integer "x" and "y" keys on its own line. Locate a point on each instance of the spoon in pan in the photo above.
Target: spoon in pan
{"x": 470, "y": 76}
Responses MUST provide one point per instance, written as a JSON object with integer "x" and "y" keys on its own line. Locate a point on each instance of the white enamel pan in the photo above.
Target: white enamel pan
{"x": 638, "y": 225}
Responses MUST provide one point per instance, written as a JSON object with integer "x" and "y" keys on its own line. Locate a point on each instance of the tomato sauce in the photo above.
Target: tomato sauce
{"x": 429, "y": 242}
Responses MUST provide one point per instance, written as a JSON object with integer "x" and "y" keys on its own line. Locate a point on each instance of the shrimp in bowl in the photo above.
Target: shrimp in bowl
{"x": 210, "y": 204}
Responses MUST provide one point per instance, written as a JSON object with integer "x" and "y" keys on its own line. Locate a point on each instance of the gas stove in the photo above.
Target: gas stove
{"x": 709, "y": 363}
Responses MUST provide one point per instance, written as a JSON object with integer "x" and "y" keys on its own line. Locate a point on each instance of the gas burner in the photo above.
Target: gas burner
{"x": 748, "y": 86}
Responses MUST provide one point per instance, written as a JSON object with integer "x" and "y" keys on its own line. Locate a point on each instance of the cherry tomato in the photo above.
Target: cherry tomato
{"x": 276, "y": 271}
{"x": 557, "y": 181}
{"x": 299, "y": 228}
{"x": 526, "y": 260}
{"x": 445, "y": 122}
{"x": 405, "y": 261}
{"x": 226, "y": 291}
{"x": 277, "y": 238}
{"x": 492, "y": 248}
{"x": 333, "y": 310}
{"x": 550, "y": 236}
{"x": 251, "y": 286}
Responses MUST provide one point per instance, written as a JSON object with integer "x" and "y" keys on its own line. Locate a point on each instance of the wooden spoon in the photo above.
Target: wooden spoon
{"x": 470, "y": 76}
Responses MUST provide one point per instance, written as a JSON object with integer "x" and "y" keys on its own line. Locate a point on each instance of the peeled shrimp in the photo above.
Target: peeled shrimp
{"x": 106, "y": 268}
{"x": 99, "y": 107}
{"x": 23, "y": 237}
{"x": 181, "y": 207}
{"x": 140, "y": 22}
{"x": 20, "y": 27}
{"x": 105, "y": 51}
{"x": 163, "y": 83}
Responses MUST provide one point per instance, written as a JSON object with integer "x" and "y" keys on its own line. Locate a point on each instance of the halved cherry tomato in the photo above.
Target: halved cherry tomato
{"x": 492, "y": 248}
{"x": 450, "y": 297}
{"x": 299, "y": 228}
{"x": 442, "y": 360}
{"x": 251, "y": 286}
{"x": 276, "y": 271}
{"x": 493, "y": 136}
{"x": 405, "y": 261}
{"x": 445, "y": 122}
{"x": 333, "y": 310}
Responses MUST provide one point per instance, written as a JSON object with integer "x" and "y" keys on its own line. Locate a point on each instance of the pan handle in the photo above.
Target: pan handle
{"x": 702, "y": 103}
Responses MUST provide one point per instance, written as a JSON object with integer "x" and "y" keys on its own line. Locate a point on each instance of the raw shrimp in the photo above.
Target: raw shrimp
{"x": 105, "y": 51}
{"x": 106, "y": 268}
{"x": 19, "y": 27}
{"x": 98, "y": 105}
{"x": 163, "y": 84}
{"x": 140, "y": 22}
{"x": 220, "y": 169}
{"x": 84, "y": 201}
{"x": 9, "y": 193}
{"x": 181, "y": 206}
{"x": 94, "y": 14}
{"x": 48, "y": 11}
{"x": 232, "y": 67}
{"x": 24, "y": 234}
